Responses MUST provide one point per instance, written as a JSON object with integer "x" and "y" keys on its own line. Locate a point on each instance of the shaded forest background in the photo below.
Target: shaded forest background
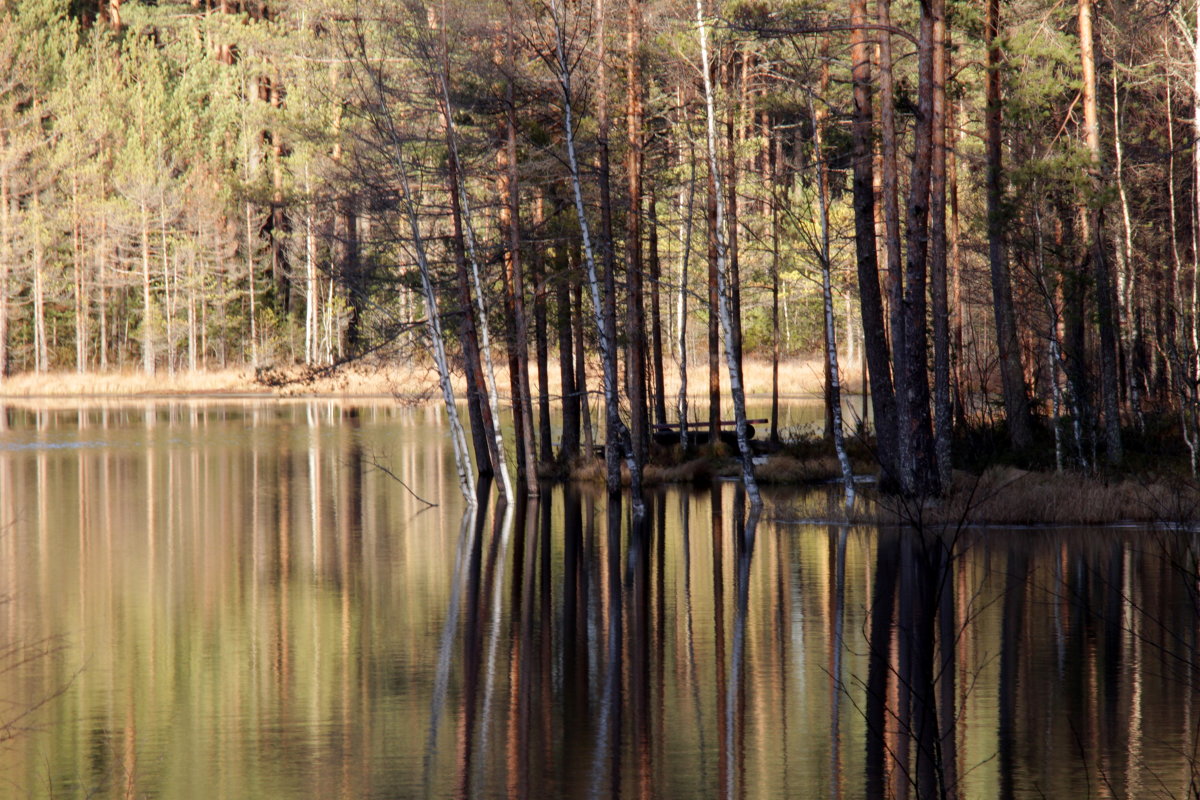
{"x": 991, "y": 207}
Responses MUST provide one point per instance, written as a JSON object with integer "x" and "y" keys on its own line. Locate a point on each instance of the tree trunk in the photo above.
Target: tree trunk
{"x": 581, "y": 384}
{"x": 1109, "y": 383}
{"x": 615, "y": 431}
{"x": 919, "y": 474}
{"x": 617, "y": 434}
{"x": 483, "y": 439}
{"x": 687, "y": 214}
{"x": 311, "y": 285}
{"x": 714, "y": 300}
{"x": 776, "y": 201}
{"x": 485, "y": 375}
{"x": 656, "y": 345}
{"x": 511, "y": 220}
{"x": 6, "y": 256}
{"x": 568, "y": 450}
{"x": 540, "y": 343}
{"x": 902, "y": 447}
{"x": 723, "y": 305}
{"x": 1016, "y": 403}
{"x": 80, "y": 290}
{"x": 278, "y": 227}
{"x": 943, "y": 418}
{"x": 147, "y": 300}
{"x": 883, "y": 400}
{"x": 833, "y": 385}
{"x": 636, "y": 363}
{"x": 1130, "y": 338}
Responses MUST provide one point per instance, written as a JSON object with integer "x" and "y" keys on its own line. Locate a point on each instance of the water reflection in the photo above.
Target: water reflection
{"x": 250, "y": 608}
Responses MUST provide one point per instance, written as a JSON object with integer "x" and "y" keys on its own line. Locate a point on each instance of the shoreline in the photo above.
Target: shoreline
{"x": 798, "y": 379}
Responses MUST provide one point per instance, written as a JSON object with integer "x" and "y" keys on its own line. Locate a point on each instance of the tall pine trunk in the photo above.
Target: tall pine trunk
{"x": 902, "y": 447}
{"x": 919, "y": 474}
{"x": 1016, "y": 403}
{"x": 943, "y": 418}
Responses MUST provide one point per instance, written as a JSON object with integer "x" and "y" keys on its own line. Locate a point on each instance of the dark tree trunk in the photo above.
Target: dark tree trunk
{"x": 1105, "y": 290}
{"x": 349, "y": 267}
{"x": 919, "y": 475}
{"x": 660, "y": 388}
{"x": 478, "y": 411}
{"x": 522, "y": 398}
{"x": 569, "y": 447}
{"x": 943, "y": 417}
{"x": 636, "y": 363}
{"x": 541, "y": 345}
{"x": 714, "y": 331}
{"x": 581, "y": 385}
{"x": 1016, "y": 403}
{"x": 900, "y": 446}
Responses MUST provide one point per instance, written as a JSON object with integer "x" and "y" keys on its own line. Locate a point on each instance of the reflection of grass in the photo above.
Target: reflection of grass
{"x": 796, "y": 376}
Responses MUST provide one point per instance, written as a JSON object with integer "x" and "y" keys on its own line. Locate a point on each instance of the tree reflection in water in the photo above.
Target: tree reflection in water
{"x": 241, "y": 596}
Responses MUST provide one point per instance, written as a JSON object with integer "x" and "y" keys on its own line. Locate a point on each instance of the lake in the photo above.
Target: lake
{"x": 235, "y": 599}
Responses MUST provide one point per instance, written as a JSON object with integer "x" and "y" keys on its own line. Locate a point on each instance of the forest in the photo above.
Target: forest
{"x": 992, "y": 207}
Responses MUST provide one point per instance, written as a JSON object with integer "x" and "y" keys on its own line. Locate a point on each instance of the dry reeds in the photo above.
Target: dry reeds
{"x": 410, "y": 379}
{"x": 1009, "y": 496}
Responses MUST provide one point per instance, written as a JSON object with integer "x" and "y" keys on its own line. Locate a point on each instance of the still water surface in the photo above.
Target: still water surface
{"x": 233, "y": 601}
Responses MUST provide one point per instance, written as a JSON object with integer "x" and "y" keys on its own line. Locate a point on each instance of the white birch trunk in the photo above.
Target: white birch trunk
{"x": 735, "y": 373}
{"x": 462, "y": 455}
{"x": 607, "y": 354}
{"x": 484, "y": 328}
{"x": 831, "y": 354}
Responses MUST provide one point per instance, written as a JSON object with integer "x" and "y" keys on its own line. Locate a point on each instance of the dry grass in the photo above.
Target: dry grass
{"x": 1006, "y": 496}
{"x": 412, "y": 379}
{"x": 697, "y": 470}
{"x": 784, "y": 469}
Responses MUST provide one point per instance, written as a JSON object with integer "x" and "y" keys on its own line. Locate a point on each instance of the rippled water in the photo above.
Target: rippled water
{"x": 234, "y": 600}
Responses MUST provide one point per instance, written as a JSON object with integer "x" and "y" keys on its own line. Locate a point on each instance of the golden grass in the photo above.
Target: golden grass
{"x": 413, "y": 379}
{"x": 1006, "y": 496}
